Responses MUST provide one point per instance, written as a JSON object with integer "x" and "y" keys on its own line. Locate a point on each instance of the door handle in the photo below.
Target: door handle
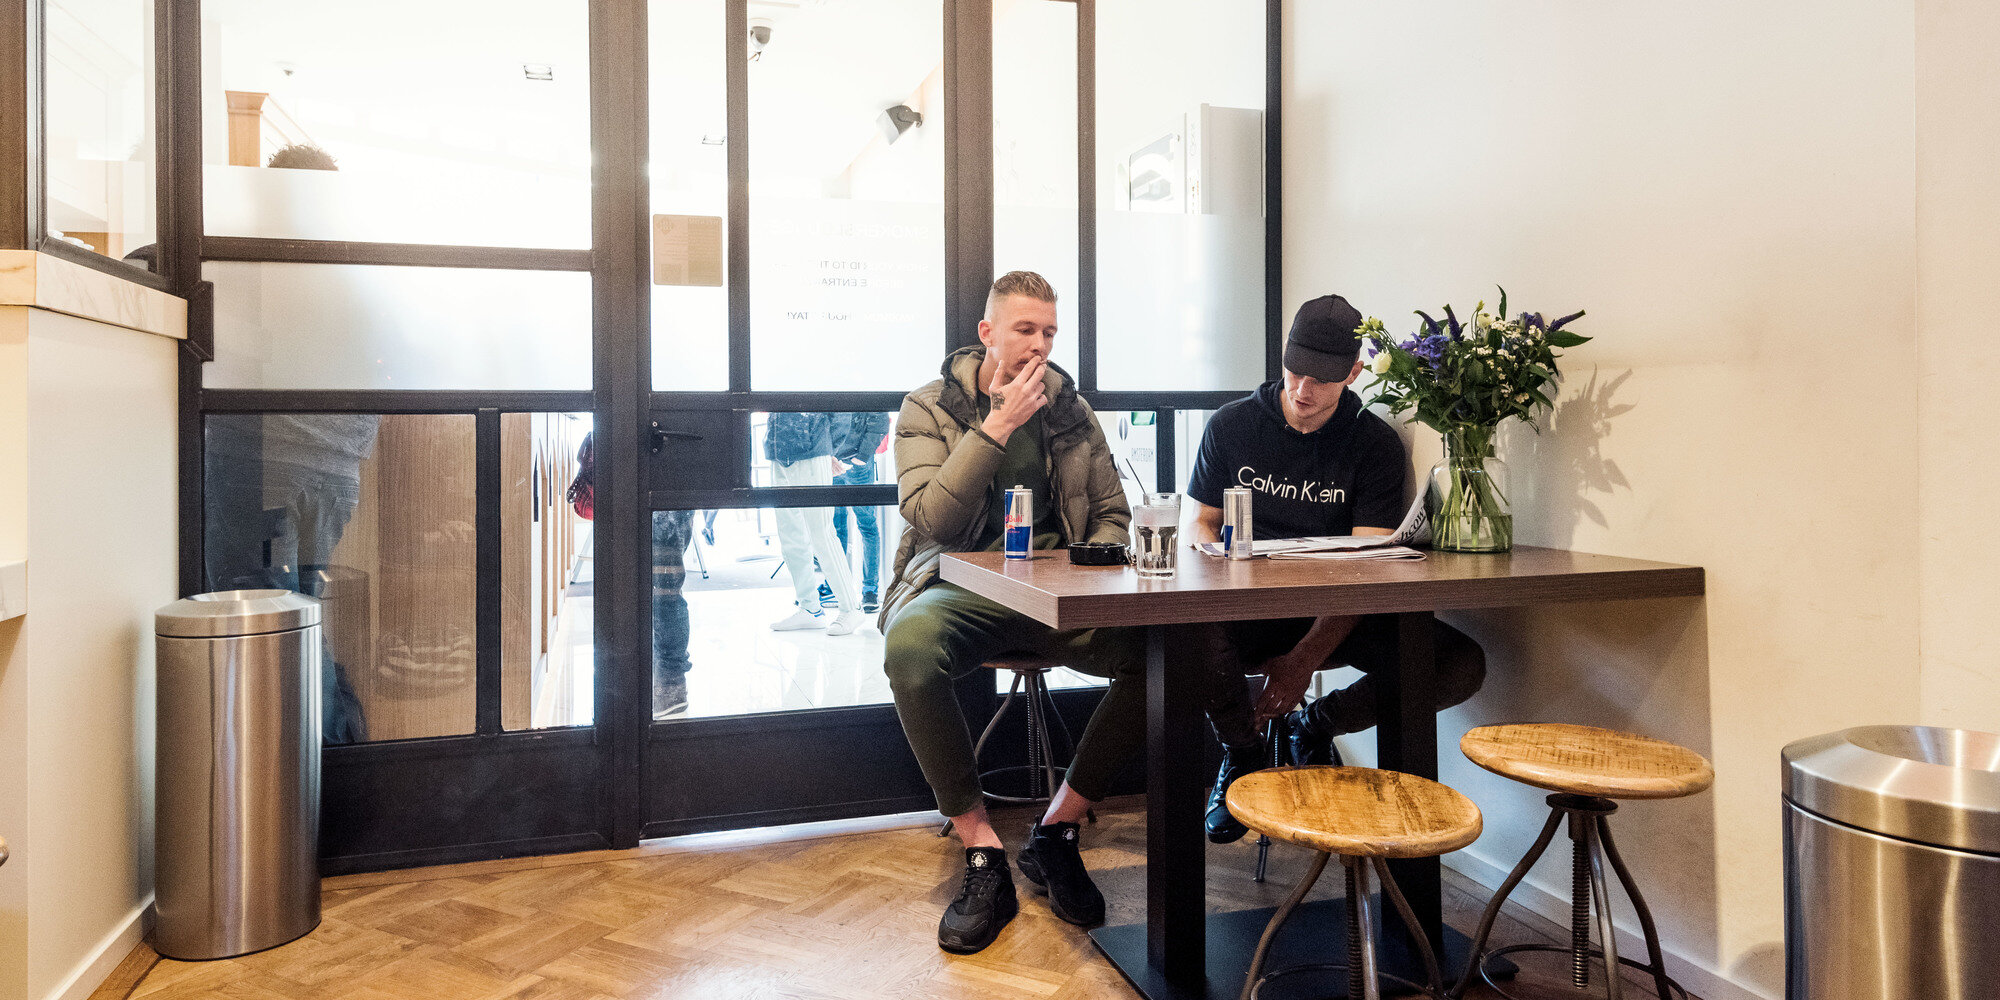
{"x": 659, "y": 435}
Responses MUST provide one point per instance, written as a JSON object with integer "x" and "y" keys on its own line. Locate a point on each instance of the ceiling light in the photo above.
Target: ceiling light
{"x": 538, "y": 71}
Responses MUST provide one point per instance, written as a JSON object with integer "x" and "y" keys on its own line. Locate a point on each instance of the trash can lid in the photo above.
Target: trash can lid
{"x": 236, "y": 612}
{"x": 1935, "y": 786}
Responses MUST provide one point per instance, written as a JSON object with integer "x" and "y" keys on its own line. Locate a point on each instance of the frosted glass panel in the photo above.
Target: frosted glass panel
{"x": 689, "y": 123}
{"x": 1180, "y": 168}
{"x": 100, "y": 124}
{"x": 846, "y": 207}
{"x": 1034, "y": 154}
{"x": 1180, "y": 301}
{"x": 347, "y": 326}
{"x": 446, "y": 121}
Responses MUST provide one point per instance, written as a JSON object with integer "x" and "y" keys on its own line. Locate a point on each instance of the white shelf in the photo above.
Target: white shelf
{"x": 13, "y": 589}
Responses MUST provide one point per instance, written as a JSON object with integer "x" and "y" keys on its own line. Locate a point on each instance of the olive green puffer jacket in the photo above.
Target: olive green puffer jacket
{"x": 945, "y": 467}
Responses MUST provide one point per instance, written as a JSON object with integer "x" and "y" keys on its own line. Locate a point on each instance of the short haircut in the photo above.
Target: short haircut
{"x": 302, "y": 157}
{"x": 1026, "y": 283}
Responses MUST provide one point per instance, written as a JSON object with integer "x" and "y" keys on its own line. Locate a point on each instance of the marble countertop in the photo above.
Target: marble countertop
{"x": 13, "y": 589}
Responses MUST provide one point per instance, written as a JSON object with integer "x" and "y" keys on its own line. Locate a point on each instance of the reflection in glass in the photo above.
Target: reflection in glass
{"x": 448, "y": 124}
{"x": 721, "y": 589}
{"x": 1034, "y": 154}
{"x": 99, "y": 125}
{"x": 828, "y": 449}
{"x": 351, "y": 326}
{"x": 1180, "y": 168}
{"x": 847, "y": 196}
{"x": 547, "y": 665}
{"x": 373, "y": 515}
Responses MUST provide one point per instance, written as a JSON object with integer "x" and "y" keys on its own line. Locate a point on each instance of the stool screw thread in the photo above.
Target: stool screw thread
{"x": 1579, "y": 915}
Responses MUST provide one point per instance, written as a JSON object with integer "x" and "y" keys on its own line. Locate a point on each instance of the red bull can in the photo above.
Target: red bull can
{"x": 1236, "y": 527}
{"x": 1020, "y": 511}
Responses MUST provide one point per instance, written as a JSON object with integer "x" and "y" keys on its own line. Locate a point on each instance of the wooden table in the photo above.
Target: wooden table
{"x": 1178, "y": 945}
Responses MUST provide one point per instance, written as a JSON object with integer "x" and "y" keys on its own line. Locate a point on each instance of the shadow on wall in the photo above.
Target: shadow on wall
{"x": 1567, "y": 461}
{"x": 1636, "y": 666}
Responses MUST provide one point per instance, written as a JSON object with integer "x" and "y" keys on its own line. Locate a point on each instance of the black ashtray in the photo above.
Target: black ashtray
{"x": 1097, "y": 554}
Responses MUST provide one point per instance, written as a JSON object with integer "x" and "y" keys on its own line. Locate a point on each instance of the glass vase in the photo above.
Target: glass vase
{"x": 1467, "y": 500}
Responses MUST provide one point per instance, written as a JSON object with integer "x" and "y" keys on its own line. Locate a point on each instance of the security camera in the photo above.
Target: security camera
{"x": 760, "y": 35}
{"x": 897, "y": 120}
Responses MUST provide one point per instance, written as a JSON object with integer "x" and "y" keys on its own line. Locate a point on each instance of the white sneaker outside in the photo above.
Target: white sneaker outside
{"x": 797, "y": 620}
{"x": 847, "y": 623}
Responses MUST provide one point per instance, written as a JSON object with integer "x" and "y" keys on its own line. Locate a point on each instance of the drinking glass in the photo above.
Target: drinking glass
{"x": 1156, "y": 536}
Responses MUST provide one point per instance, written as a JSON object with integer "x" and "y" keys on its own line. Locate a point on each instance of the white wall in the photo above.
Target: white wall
{"x": 76, "y": 695}
{"x": 1732, "y": 193}
{"x": 1958, "y": 258}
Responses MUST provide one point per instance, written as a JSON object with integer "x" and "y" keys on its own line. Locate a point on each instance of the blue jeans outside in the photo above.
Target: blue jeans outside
{"x": 672, "y": 530}
{"x": 867, "y": 519}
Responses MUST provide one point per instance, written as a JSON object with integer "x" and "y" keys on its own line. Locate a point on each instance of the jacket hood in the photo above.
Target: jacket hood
{"x": 1273, "y": 407}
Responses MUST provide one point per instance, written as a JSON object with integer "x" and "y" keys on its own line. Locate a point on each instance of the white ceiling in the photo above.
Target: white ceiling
{"x": 445, "y": 77}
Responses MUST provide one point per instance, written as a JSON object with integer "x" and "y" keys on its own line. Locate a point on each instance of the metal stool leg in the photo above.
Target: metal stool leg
{"x": 986, "y": 734}
{"x": 1486, "y": 919}
{"x": 1663, "y": 985}
{"x": 1435, "y": 977}
{"x": 1278, "y": 919}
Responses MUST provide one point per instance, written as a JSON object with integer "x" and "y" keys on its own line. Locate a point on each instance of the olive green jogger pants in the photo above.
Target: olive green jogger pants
{"x": 947, "y": 632}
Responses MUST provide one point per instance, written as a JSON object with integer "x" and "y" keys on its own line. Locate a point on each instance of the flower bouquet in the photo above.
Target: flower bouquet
{"x": 1462, "y": 380}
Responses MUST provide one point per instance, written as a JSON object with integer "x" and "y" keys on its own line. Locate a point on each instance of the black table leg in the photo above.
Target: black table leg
{"x": 1176, "y": 874}
{"x": 1406, "y": 740}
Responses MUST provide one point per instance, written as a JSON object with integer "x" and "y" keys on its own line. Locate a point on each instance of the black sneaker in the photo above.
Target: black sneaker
{"x": 1055, "y": 868}
{"x": 826, "y": 598}
{"x": 1224, "y": 828}
{"x": 870, "y": 603}
{"x": 984, "y": 905}
{"x": 1308, "y": 744}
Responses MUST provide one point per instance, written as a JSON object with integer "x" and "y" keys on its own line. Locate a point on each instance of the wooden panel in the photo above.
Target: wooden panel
{"x": 412, "y": 537}
{"x": 19, "y": 138}
{"x": 246, "y": 128}
{"x": 517, "y": 557}
{"x": 1050, "y": 590}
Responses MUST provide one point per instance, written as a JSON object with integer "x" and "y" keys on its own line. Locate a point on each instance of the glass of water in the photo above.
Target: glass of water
{"x": 1156, "y": 535}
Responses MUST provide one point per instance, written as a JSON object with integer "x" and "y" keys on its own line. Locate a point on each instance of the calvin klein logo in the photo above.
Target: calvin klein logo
{"x": 1311, "y": 490}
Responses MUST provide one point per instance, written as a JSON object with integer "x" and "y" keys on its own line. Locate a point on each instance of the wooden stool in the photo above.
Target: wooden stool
{"x": 1586, "y": 767}
{"x": 1030, "y": 672}
{"x": 1366, "y": 816}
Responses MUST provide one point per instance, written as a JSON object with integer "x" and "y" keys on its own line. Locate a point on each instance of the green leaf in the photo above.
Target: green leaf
{"x": 1564, "y": 338}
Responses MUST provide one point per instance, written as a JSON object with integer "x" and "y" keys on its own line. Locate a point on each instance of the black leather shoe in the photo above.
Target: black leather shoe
{"x": 1055, "y": 867}
{"x": 1308, "y": 744}
{"x": 984, "y": 905}
{"x": 1224, "y": 828}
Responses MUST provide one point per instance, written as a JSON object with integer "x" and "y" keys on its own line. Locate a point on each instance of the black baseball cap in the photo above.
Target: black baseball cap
{"x": 1323, "y": 344}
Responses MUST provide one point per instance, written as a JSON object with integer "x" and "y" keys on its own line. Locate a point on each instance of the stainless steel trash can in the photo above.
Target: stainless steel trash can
{"x": 1892, "y": 865}
{"x": 237, "y": 772}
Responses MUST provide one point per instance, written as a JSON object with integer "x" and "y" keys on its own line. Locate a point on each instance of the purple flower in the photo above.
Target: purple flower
{"x": 1429, "y": 349}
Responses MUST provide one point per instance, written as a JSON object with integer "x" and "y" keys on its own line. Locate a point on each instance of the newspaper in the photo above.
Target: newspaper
{"x": 1394, "y": 545}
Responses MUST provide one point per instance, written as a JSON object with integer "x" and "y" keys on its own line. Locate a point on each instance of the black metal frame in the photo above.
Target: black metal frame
{"x": 493, "y": 793}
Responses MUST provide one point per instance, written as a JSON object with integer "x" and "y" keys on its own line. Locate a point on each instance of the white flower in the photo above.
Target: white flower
{"x": 1380, "y": 365}
{"x": 1520, "y": 397}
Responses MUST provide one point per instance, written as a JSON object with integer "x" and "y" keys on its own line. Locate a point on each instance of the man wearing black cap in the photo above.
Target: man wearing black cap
{"x": 1317, "y": 463}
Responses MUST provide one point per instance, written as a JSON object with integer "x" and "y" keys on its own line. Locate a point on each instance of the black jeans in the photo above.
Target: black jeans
{"x": 1235, "y": 649}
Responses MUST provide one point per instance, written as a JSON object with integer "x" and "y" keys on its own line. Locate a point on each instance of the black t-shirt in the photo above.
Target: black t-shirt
{"x": 1349, "y": 472}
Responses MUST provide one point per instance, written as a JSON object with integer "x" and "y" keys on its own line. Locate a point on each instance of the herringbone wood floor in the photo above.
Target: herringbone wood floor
{"x": 738, "y": 917}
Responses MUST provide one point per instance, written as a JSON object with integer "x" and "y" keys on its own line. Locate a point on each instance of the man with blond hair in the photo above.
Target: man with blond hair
{"x": 1002, "y": 416}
